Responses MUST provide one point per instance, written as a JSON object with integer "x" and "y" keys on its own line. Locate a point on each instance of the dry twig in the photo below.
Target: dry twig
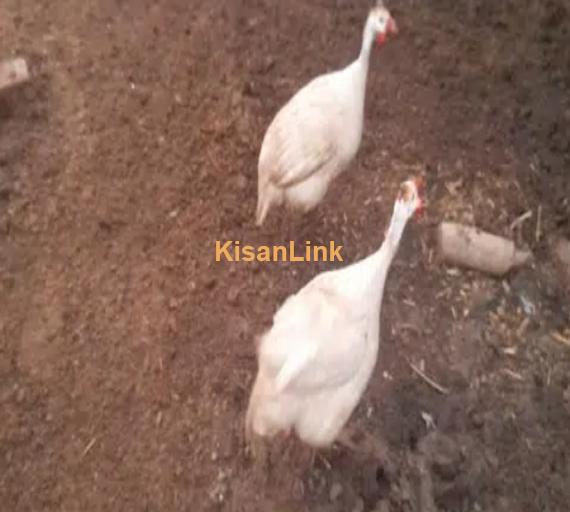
{"x": 523, "y": 326}
{"x": 427, "y": 379}
{"x": 88, "y": 447}
{"x": 514, "y": 375}
{"x": 561, "y": 339}
{"x": 519, "y": 220}
{"x": 538, "y": 223}
{"x": 410, "y": 327}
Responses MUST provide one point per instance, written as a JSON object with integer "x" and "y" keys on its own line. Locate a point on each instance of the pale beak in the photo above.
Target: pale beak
{"x": 419, "y": 183}
{"x": 391, "y": 28}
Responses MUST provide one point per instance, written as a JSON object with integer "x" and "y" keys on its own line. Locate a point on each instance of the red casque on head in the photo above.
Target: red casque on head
{"x": 420, "y": 185}
{"x": 391, "y": 29}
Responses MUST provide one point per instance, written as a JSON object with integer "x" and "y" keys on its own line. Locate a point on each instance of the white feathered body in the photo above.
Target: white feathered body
{"x": 312, "y": 139}
{"x": 316, "y": 360}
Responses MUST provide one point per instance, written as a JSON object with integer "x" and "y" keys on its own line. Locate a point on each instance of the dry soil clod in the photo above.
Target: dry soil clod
{"x": 13, "y": 72}
{"x": 470, "y": 247}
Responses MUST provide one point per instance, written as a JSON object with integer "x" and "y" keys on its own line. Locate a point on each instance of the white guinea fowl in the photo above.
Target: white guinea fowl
{"x": 315, "y": 362}
{"x": 317, "y": 133}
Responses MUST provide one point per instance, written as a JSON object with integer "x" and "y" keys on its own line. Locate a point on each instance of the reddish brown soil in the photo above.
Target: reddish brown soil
{"x": 126, "y": 351}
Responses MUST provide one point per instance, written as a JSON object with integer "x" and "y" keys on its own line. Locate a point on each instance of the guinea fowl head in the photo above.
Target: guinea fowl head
{"x": 409, "y": 202}
{"x": 382, "y": 22}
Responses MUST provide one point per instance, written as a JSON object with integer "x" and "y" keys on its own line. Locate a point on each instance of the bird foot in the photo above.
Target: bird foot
{"x": 261, "y": 448}
{"x": 368, "y": 445}
{"x": 259, "y": 451}
{"x": 308, "y": 457}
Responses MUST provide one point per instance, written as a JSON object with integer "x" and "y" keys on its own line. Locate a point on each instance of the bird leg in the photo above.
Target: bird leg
{"x": 302, "y": 451}
{"x": 345, "y": 439}
{"x": 258, "y": 448}
{"x": 369, "y": 445}
{"x": 263, "y": 451}
{"x": 313, "y": 458}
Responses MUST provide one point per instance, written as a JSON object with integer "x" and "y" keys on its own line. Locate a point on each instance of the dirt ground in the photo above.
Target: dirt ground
{"x": 126, "y": 351}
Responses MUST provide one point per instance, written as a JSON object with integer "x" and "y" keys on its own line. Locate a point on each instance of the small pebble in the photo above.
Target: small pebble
{"x": 21, "y": 396}
{"x": 477, "y": 420}
{"x": 359, "y": 505}
{"x": 298, "y": 489}
{"x": 241, "y": 182}
{"x": 227, "y": 446}
{"x": 233, "y": 294}
{"x": 382, "y": 506}
{"x": 209, "y": 282}
{"x": 335, "y": 492}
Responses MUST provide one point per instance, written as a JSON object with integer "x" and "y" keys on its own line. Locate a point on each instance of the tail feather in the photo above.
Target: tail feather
{"x": 268, "y": 195}
{"x": 263, "y": 205}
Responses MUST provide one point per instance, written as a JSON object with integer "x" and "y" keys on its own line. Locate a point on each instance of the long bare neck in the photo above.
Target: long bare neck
{"x": 359, "y": 67}
{"x": 358, "y": 70}
{"x": 395, "y": 231}
{"x": 366, "y": 48}
{"x": 369, "y": 275}
{"x": 384, "y": 256}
